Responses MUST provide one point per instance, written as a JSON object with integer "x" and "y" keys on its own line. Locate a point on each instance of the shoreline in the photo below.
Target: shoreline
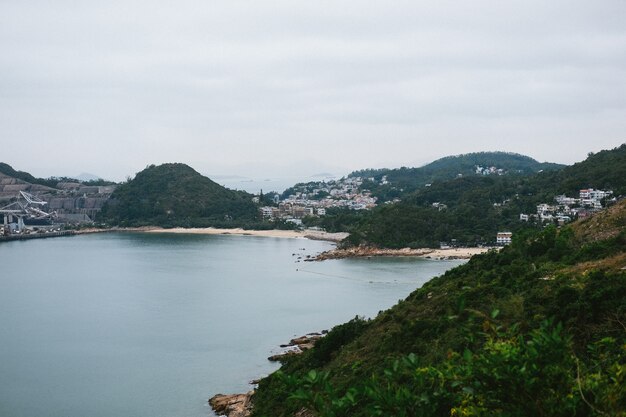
{"x": 275, "y": 233}
{"x": 288, "y": 234}
{"x": 10, "y": 238}
{"x": 336, "y": 253}
{"x": 366, "y": 252}
{"x": 241, "y": 405}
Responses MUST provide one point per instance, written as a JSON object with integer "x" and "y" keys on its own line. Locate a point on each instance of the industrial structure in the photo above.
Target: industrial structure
{"x": 27, "y": 210}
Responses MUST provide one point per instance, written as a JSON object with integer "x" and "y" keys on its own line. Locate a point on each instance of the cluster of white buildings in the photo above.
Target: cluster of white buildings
{"x": 480, "y": 170}
{"x": 565, "y": 210}
{"x": 568, "y": 208}
{"x": 313, "y": 199}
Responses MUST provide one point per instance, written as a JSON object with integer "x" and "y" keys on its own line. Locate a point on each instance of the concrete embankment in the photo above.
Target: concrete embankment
{"x": 36, "y": 235}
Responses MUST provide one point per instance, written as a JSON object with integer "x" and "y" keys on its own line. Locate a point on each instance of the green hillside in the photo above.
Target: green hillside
{"x": 404, "y": 180}
{"x": 538, "y": 329}
{"x": 176, "y": 195}
{"x": 25, "y": 176}
{"x": 603, "y": 170}
{"x": 477, "y": 207}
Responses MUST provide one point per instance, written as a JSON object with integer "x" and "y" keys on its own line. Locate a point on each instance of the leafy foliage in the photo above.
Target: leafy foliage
{"x": 337, "y": 219}
{"x": 98, "y": 182}
{"x": 535, "y": 329}
{"x": 509, "y": 375}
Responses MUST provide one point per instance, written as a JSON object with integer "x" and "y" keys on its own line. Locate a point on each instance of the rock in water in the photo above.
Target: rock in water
{"x": 234, "y": 405}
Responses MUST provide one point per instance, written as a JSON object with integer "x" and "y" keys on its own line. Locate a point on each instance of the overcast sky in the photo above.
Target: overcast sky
{"x": 284, "y": 88}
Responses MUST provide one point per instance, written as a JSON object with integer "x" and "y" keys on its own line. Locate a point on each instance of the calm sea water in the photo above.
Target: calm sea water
{"x": 153, "y": 325}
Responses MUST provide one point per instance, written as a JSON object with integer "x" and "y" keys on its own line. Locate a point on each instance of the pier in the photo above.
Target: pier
{"x": 37, "y": 235}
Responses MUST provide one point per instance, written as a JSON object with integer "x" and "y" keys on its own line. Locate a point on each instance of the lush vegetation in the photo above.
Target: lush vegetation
{"x": 477, "y": 207}
{"x": 538, "y": 329}
{"x": 403, "y": 181}
{"x": 337, "y": 219}
{"x": 171, "y": 195}
{"x": 98, "y": 182}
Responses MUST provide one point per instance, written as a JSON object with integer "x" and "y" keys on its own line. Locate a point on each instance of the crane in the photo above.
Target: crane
{"x": 27, "y": 206}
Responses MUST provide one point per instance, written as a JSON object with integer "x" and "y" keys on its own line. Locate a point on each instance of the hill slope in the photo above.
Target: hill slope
{"x": 8, "y": 170}
{"x": 12, "y": 182}
{"x": 52, "y": 182}
{"x": 176, "y": 195}
{"x": 404, "y": 180}
{"x": 538, "y": 329}
{"x": 477, "y": 207}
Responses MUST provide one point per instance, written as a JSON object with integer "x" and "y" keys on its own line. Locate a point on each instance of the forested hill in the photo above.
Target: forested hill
{"x": 538, "y": 329}
{"x": 404, "y": 180}
{"x": 602, "y": 170}
{"x": 176, "y": 195}
{"x": 51, "y": 182}
{"x": 8, "y": 170}
{"x": 477, "y": 207}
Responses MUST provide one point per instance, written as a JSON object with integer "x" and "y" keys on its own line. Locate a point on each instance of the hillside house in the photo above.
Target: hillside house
{"x": 504, "y": 238}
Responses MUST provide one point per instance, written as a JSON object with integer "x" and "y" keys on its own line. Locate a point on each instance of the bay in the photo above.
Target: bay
{"x": 139, "y": 324}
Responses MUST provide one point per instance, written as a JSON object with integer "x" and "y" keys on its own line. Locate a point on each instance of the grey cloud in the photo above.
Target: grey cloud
{"x": 222, "y": 85}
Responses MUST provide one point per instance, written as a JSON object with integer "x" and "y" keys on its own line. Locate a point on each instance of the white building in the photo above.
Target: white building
{"x": 592, "y": 194}
{"x": 504, "y": 238}
{"x": 566, "y": 201}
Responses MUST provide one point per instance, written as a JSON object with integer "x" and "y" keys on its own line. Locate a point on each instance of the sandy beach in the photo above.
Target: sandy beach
{"x": 459, "y": 253}
{"x": 356, "y": 252}
{"x": 367, "y": 252}
{"x": 292, "y": 234}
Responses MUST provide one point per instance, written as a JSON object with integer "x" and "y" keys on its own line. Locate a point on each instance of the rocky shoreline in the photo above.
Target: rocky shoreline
{"x": 240, "y": 405}
{"x": 368, "y": 252}
{"x": 234, "y": 405}
{"x": 297, "y": 346}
